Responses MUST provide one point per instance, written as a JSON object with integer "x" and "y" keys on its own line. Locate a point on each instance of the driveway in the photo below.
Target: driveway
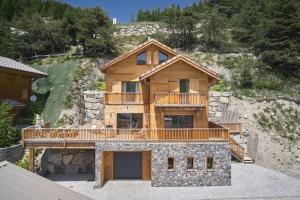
{"x": 249, "y": 181}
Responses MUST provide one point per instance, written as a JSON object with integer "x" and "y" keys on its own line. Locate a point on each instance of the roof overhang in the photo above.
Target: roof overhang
{"x": 136, "y": 50}
{"x": 25, "y": 73}
{"x": 214, "y": 76}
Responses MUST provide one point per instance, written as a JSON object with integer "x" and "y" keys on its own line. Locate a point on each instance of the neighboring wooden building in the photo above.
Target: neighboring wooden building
{"x": 15, "y": 82}
{"x": 156, "y": 118}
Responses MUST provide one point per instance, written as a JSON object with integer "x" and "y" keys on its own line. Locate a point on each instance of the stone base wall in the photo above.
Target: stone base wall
{"x": 93, "y": 105}
{"x": 221, "y": 175}
{"x": 68, "y": 161}
{"x": 12, "y": 154}
{"x": 217, "y": 102}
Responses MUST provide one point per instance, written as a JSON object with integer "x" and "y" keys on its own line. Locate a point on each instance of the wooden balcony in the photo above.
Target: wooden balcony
{"x": 123, "y": 98}
{"x": 180, "y": 99}
{"x": 58, "y": 137}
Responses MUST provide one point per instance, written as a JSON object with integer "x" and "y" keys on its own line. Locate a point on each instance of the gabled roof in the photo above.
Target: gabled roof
{"x": 9, "y": 64}
{"x": 137, "y": 49}
{"x": 169, "y": 62}
{"x": 19, "y": 184}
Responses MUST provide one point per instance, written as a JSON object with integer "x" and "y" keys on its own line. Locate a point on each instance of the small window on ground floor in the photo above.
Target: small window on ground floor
{"x": 190, "y": 163}
{"x": 209, "y": 163}
{"x": 171, "y": 163}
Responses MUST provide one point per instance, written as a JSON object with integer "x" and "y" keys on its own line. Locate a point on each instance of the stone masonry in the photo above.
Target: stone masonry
{"x": 219, "y": 176}
{"x": 143, "y": 29}
{"x": 68, "y": 161}
{"x": 93, "y": 105}
{"x": 11, "y": 154}
{"x": 218, "y": 103}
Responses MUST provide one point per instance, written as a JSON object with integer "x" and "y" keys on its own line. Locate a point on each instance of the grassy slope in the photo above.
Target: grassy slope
{"x": 60, "y": 75}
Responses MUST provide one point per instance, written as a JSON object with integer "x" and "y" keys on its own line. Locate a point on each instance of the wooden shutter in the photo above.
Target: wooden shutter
{"x": 194, "y": 85}
{"x": 117, "y": 86}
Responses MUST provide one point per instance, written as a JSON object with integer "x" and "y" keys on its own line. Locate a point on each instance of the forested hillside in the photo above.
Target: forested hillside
{"x": 268, "y": 28}
{"x": 29, "y": 27}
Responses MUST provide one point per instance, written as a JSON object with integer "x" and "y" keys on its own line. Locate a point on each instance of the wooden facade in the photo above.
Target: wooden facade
{"x": 159, "y": 87}
{"x": 15, "y": 85}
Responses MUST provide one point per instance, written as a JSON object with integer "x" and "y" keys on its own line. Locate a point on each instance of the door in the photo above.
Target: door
{"x": 127, "y": 165}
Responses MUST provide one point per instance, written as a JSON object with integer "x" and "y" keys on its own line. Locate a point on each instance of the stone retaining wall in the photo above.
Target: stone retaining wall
{"x": 220, "y": 175}
{"x": 143, "y": 29}
{"x": 11, "y": 154}
{"x": 218, "y": 103}
{"x": 93, "y": 105}
{"x": 68, "y": 161}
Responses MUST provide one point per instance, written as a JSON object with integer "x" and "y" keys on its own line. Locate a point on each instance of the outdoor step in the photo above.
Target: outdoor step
{"x": 248, "y": 160}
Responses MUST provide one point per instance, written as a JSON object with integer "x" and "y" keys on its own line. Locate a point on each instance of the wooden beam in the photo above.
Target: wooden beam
{"x": 31, "y": 160}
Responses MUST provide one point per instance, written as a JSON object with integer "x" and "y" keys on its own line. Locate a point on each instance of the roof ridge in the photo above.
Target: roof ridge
{"x": 124, "y": 55}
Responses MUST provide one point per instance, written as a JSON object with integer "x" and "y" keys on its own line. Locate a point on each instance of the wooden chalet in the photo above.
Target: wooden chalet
{"x": 156, "y": 123}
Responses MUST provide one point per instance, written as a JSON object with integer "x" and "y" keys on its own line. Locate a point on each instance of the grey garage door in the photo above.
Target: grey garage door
{"x": 127, "y": 165}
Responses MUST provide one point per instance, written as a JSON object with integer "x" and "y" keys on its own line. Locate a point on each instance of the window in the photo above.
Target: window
{"x": 209, "y": 163}
{"x": 142, "y": 58}
{"x": 129, "y": 120}
{"x": 190, "y": 163}
{"x": 162, "y": 57}
{"x": 184, "y": 86}
{"x": 130, "y": 86}
{"x": 171, "y": 163}
{"x": 179, "y": 121}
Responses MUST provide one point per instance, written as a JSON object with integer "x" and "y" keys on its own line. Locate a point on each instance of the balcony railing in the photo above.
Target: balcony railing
{"x": 123, "y": 98}
{"x": 130, "y": 135}
{"x": 177, "y": 99}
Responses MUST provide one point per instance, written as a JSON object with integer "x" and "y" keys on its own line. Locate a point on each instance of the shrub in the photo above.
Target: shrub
{"x": 8, "y": 134}
{"x": 24, "y": 162}
{"x": 281, "y": 119}
{"x": 221, "y": 85}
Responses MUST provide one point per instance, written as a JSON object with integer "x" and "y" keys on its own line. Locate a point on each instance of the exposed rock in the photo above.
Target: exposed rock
{"x": 55, "y": 158}
{"x": 143, "y": 29}
{"x": 67, "y": 159}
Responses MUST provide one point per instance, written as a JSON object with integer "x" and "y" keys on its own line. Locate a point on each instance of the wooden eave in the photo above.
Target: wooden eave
{"x": 21, "y": 72}
{"x": 137, "y": 49}
{"x": 212, "y": 75}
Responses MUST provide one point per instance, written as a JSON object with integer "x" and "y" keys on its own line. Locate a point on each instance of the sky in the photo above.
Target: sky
{"x": 123, "y": 9}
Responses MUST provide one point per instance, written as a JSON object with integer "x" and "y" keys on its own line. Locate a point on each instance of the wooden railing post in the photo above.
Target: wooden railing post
{"x": 31, "y": 160}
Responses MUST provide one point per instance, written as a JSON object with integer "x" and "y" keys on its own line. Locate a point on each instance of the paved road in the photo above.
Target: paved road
{"x": 249, "y": 182}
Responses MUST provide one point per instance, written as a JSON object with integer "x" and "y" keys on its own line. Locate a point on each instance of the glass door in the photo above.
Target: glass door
{"x": 179, "y": 121}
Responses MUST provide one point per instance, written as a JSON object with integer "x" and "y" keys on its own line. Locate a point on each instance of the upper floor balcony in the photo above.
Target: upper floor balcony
{"x": 180, "y": 99}
{"x": 124, "y": 98}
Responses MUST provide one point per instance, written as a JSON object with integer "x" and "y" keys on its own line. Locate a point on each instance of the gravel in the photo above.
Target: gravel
{"x": 249, "y": 181}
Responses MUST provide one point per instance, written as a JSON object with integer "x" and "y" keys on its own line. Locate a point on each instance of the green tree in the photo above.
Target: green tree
{"x": 212, "y": 27}
{"x": 279, "y": 44}
{"x": 8, "y": 134}
{"x": 95, "y": 33}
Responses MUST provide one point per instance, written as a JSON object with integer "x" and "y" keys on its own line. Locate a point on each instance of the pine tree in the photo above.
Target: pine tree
{"x": 279, "y": 45}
